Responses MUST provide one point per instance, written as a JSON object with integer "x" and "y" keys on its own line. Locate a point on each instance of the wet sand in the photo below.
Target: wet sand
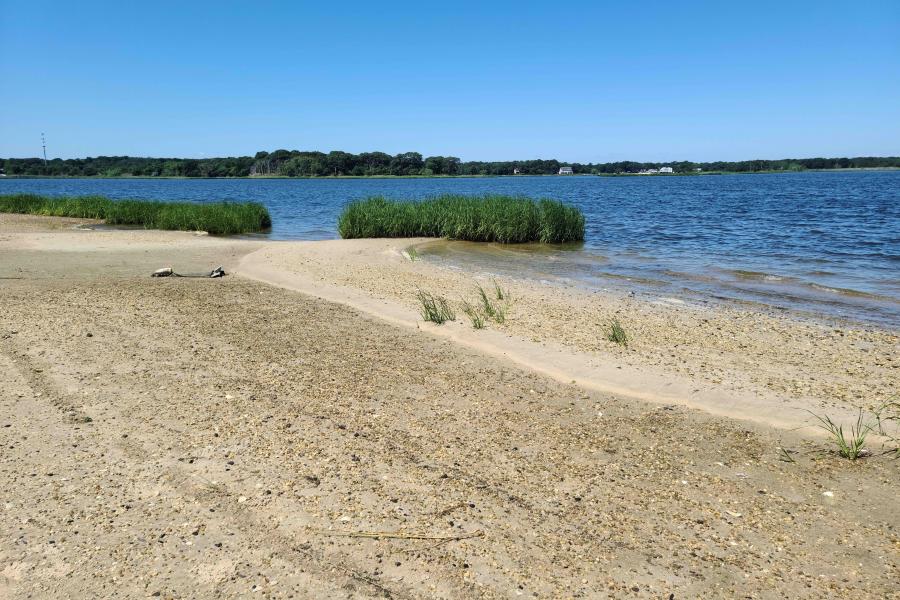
{"x": 215, "y": 438}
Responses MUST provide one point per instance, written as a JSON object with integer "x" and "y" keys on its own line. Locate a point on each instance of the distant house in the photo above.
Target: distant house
{"x": 666, "y": 170}
{"x": 648, "y": 172}
{"x": 516, "y": 171}
{"x": 566, "y": 171}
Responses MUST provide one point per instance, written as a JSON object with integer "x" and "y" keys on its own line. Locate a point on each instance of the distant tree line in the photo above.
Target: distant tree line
{"x": 294, "y": 163}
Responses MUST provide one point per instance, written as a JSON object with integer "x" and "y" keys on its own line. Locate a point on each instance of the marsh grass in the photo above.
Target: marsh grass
{"x": 474, "y": 315}
{"x": 435, "y": 308}
{"x": 617, "y": 333}
{"x": 217, "y": 218}
{"x": 491, "y": 309}
{"x": 500, "y": 292}
{"x": 887, "y": 413}
{"x": 850, "y": 445}
{"x": 488, "y": 218}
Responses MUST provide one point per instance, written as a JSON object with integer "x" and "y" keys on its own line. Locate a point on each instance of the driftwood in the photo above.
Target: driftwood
{"x": 401, "y": 535}
{"x": 170, "y": 272}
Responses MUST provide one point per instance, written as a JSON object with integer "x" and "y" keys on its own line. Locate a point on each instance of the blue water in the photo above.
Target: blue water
{"x": 825, "y": 242}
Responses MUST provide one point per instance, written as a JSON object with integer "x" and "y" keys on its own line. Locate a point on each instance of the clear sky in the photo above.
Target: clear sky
{"x": 578, "y": 81}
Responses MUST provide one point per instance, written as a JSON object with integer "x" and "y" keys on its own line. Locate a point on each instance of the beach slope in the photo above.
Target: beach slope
{"x": 215, "y": 438}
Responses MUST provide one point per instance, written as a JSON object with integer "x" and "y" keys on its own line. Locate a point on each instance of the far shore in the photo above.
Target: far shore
{"x": 296, "y": 428}
{"x": 328, "y": 177}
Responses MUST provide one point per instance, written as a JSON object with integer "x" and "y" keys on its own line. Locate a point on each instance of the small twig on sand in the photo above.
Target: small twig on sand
{"x": 450, "y": 509}
{"x": 401, "y": 535}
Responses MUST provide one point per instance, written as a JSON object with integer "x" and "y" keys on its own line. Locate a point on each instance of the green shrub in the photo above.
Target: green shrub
{"x": 489, "y": 218}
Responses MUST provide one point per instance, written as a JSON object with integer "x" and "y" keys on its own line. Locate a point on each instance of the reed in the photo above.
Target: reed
{"x": 474, "y": 315}
{"x": 488, "y": 218}
{"x": 217, "y": 218}
{"x": 493, "y": 310}
{"x": 500, "y": 292}
{"x": 435, "y": 308}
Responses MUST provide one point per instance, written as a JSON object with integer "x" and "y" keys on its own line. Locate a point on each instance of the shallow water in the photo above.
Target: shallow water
{"x": 823, "y": 242}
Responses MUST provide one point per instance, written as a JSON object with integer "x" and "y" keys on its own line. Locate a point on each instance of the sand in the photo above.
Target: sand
{"x": 726, "y": 359}
{"x": 217, "y": 438}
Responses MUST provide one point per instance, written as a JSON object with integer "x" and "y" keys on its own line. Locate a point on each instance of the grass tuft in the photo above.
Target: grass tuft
{"x": 474, "y": 315}
{"x": 217, "y": 218}
{"x": 488, "y": 218}
{"x": 850, "y": 445}
{"x": 500, "y": 292}
{"x": 493, "y": 310}
{"x": 617, "y": 333}
{"x": 435, "y": 308}
{"x": 889, "y": 412}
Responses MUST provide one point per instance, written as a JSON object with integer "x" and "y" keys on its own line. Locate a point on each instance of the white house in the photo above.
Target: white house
{"x": 666, "y": 170}
{"x": 566, "y": 171}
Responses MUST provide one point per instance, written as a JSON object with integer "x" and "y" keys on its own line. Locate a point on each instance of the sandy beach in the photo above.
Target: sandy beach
{"x": 295, "y": 430}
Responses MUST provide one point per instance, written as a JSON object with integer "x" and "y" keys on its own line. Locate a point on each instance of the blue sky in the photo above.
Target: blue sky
{"x": 578, "y": 81}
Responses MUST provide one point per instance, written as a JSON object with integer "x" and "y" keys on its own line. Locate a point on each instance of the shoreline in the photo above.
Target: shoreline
{"x": 728, "y": 358}
{"x": 221, "y": 437}
{"x": 339, "y": 177}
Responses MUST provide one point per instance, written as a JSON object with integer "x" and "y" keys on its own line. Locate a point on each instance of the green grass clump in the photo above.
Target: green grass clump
{"x": 435, "y": 308}
{"x": 493, "y": 310}
{"x": 474, "y": 315}
{"x": 489, "y": 218}
{"x": 617, "y": 333}
{"x": 217, "y": 218}
{"x": 850, "y": 445}
{"x": 500, "y": 292}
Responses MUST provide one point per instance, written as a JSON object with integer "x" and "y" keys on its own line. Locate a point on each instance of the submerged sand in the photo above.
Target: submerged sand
{"x": 216, "y": 438}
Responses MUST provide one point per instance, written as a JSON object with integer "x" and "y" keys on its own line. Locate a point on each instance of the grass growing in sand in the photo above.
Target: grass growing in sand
{"x": 499, "y": 291}
{"x": 850, "y": 445}
{"x": 493, "y": 310}
{"x": 617, "y": 333}
{"x": 889, "y": 413}
{"x": 435, "y": 308}
{"x": 488, "y": 218}
{"x": 474, "y": 315}
{"x": 217, "y": 218}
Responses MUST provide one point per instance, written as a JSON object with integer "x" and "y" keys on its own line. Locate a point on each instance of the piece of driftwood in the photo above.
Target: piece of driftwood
{"x": 170, "y": 272}
{"x": 401, "y": 535}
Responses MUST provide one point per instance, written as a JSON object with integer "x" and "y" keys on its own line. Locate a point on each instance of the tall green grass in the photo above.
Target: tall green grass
{"x": 489, "y": 218}
{"x": 217, "y": 218}
{"x": 435, "y": 308}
